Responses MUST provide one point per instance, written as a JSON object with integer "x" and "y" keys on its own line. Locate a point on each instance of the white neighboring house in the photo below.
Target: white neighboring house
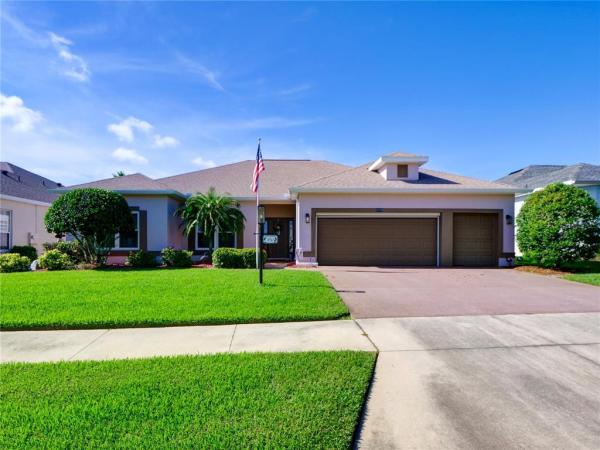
{"x": 536, "y": 177}
{"x": 24, "y": 200}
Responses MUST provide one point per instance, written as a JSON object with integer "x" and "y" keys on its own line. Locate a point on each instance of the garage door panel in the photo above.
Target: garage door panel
{"x": 377, "y": 241}
{"x": 475, "y": 239}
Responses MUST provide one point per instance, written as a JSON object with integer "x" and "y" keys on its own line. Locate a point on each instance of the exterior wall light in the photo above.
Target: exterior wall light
{"x": 509, "y": 219}
{"x": 307, "y": 218}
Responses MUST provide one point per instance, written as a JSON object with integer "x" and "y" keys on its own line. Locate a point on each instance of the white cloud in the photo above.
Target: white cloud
{"x": 165, "y": 141}
{"x": 75, "y": 66}
{"x": 204, "y": 163}
{"x": 210, "y": 77}
{"x": 13, "y": 109}
{"x": 124, "y": 130}
{"x": 264, "y": 123}
{"x": 293, "y": 90}
{"x": 129, "y": 155}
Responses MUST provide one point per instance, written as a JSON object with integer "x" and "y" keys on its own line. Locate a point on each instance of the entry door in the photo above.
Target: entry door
{"x": 284, "y": 229}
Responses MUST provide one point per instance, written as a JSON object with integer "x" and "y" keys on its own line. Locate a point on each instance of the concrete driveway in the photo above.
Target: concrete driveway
{"x": 484, "y": 382}
{"x": 424, "y": 292}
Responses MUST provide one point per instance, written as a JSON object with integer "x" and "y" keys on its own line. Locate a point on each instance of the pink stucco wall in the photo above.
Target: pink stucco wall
{"x": 434, "y": 202}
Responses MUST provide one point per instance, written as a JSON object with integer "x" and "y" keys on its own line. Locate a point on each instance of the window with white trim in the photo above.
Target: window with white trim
{"x": 228, "y": 239}
{"x": 129, "y": 240}
{"x": 5, "y": 229}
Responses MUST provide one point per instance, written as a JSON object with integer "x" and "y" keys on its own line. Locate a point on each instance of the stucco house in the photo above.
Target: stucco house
{"x": 392, "y": 211}
{"x": 24, "y": 200}
{"x": 535, "y": 177}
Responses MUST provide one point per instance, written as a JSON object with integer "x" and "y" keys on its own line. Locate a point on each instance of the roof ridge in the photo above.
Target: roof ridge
{"x": 330, "y": 175}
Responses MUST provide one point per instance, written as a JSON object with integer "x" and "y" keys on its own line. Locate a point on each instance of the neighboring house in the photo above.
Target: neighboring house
{"x": 389, "y": 212}
{"x": 24, "y": 200}
{"x": 536, "y": 177}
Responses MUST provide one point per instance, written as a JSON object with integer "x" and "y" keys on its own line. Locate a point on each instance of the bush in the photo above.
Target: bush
{"x": 141, "y": 258}
{"x": 558, "y": 225}
{"x": 93, "y": 217}
{"x": 14, "y": 262}
{"x": 25, "y": 250}
{"x": 176, "y": 258}
{"x": 72, "y": 249}
{"x": 55, "y": 260}
{"x": 236, "y": 258}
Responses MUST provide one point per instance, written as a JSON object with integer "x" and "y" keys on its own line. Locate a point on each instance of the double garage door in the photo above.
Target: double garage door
{"x": 402, "y": 241}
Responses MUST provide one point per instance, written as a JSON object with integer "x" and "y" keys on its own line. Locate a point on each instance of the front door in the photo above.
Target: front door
{"x": 284, "y": 229}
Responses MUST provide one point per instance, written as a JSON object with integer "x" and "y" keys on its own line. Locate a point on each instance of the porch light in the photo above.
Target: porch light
{"x": 261, "y": 214}
{"x": 307, "y": 218}
{"x": 509, "y": 219}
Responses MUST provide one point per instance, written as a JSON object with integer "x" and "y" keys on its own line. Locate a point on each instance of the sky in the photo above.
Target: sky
{"x": 163, "y": 88}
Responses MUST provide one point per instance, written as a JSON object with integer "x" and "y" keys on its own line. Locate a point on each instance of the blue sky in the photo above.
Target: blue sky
{"x": 165, "y": 88}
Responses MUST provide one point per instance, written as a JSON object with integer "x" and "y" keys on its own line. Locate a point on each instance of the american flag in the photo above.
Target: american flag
{"x": 258, "y": 169}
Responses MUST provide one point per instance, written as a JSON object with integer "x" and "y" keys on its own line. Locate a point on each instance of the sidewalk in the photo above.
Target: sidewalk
{"x": 37, "y": 346}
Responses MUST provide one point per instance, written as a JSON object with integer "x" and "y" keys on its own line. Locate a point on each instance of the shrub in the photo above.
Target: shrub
{"x": 236, "y": 258}
{"x": 558, "y": 225}
{"x": 55, "y": 260}
{"x": 14, "y": 262}
{"x": 72, "y": 249}
{"x": 50, "y": 245}
{"x": 141, "y": 258}
{"x": 25, "y": 250}
{"x": 176, "y": 258}
{"x": 93, "y": 217}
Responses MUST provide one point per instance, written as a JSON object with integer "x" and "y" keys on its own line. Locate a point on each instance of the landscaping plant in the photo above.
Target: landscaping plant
{"x": 25, "y": 250}
{"x": 236, "y": 258}
{"x": 176, "y": 258}
{"x": 13, "y": 262}
{"x": 211, "y": 212}
{"x": 141, "y": 258}
{"x": 55, "y": 260}
{"x": 558, "y": 225}
{"x": 93, "y": 217}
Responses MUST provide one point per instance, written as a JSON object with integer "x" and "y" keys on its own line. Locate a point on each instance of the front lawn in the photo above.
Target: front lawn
{"x": 260, "y": 400}
{"x": 580, "y": 271}
{"x": 589, "y": 278}
{"x": 160, "y": 297}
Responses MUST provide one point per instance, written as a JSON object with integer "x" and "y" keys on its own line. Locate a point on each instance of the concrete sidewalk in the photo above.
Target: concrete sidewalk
{"x": 37, "y": 346}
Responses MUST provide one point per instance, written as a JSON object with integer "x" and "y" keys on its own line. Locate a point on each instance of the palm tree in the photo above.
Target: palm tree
{"x": 118, "y": 174}
{"x": 211, "y": 212}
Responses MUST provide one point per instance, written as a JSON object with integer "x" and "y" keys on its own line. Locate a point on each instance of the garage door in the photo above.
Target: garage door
{"x": 475, "y": 239}
{"x": 377, "y": 241}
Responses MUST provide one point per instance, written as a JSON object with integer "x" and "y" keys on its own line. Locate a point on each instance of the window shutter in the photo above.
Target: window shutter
{"x": 144, "y": 230}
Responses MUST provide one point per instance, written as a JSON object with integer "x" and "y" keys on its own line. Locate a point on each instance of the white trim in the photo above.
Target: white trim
{"x": 118, "y": 247}
{"x": 23, "y": 200}
{"x": 375, "y": 215}
{"x": 9, "y": 213}
{"x": 417, "y": 159}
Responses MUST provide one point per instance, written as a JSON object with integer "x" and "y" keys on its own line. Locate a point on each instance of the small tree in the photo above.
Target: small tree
{"x": 559, "y": 224}
{"x": 211, "y": 212}
{"x": 93, "y": 217}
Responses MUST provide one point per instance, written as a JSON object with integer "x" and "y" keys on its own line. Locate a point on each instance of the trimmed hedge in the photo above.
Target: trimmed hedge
{"x": 25, "y": 250}
{"x": 55, "y": 260}
{"x": 141, "y": 258}
{"x": 176, "y": 258}
{"x": 70, "y": 248}
{"x": 14, "y": 262}
{"x": 236, "y": 258}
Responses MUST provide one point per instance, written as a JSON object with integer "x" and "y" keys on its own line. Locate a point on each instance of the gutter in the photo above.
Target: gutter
{"x": 294, "y": 191}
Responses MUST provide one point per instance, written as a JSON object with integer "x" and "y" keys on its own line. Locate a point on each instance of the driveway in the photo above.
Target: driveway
{"x": 425, "y": 292}
{"x": 484, "y": 382}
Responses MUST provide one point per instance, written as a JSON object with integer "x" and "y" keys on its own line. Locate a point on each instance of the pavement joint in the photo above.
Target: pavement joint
{"x": 88, "y": 345}
{"x": 365, "y": 334}
{"x": 232, "y": 336}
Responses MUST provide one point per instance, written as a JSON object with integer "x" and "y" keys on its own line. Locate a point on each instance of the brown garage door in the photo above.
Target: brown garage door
{"x": 475, "y": 239}
{"x": 376, "y": 241}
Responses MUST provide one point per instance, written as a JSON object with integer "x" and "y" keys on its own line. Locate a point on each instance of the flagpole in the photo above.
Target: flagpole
{"x": 258, "y": 252}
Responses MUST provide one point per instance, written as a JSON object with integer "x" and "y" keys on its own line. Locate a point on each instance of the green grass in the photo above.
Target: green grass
{"x": 260, "y": 400}
{"x": 581, "y": 271}
{"x": 589, "y": 278}
{"x": 160, "y": 297}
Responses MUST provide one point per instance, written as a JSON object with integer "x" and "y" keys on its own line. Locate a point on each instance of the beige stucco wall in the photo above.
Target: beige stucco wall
{"x": 28, "y": 223}
{"x": 430, "y": 202}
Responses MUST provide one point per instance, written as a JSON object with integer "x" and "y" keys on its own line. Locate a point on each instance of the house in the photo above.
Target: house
{"x": 392, "y": 211}
{"x": 24, "y": 200}
{"x": 536, "y": 177}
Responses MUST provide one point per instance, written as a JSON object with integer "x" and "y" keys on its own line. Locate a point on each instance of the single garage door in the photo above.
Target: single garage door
{"x": 377, "y": 241}
{"x": 475, "y": 239}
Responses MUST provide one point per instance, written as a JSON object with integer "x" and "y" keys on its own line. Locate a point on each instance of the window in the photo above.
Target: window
{"x": 5, "y": 229}
{"x": 221, "y": 240}
{"x": 129, "y": 240}
{"x": 402, "y": 171}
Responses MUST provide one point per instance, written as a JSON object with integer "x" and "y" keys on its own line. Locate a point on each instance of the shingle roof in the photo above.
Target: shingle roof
{"x": 18, "y": 182}
{"x": 234, "y": 179}
{"x": 537, "y": 176}
{"x": 133, "y": 182}
{"x": 361, "y": 178}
